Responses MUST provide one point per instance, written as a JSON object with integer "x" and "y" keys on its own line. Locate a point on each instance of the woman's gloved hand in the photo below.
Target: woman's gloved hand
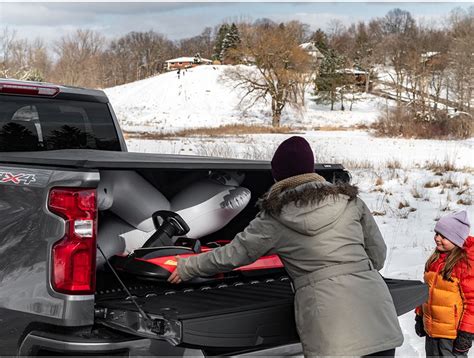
{"x": 175, "y": 277}
{"x": 463, "y": 342}
{"x": 419, "y": 328}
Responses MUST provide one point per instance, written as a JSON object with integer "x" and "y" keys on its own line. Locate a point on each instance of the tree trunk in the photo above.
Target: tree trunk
{"x": 276, "y": 116}
{"x": 332, "y": 98}
{"x": 367, "y": 81}
{"x": 276, "y": 113}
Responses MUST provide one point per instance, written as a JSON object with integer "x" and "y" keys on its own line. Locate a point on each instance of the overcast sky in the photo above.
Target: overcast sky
{"x": 177, "y": 20}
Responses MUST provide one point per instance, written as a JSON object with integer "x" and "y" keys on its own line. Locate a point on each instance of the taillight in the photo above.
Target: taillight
{"x": 73, "y": 257}
{"x": 28, "y": 89}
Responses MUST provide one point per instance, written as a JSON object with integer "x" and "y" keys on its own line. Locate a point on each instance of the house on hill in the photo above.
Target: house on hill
{"x": 313, "y": 51}
{"x": 186, "y": 62}
{"x": 355, "y": 76}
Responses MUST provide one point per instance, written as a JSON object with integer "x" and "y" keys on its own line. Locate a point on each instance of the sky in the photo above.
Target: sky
{"x": 177, "y": 20}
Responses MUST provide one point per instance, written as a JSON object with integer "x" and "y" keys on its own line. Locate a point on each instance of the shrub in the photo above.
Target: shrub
{"x": 405, "y": 122}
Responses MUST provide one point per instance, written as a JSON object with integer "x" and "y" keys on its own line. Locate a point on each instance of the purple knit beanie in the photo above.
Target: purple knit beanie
{"x": 293, "y": 156}
{"x": 454, "y": 227}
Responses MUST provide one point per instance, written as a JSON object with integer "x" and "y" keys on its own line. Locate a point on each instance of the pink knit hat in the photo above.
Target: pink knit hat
{"x": 454, "y": 227}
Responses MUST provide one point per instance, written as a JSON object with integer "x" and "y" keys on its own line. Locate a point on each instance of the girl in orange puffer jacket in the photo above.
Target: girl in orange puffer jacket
{"x": 447, "y": 318}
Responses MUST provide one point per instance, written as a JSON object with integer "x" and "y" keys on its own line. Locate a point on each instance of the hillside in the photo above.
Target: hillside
{"x": 201, "y": 97}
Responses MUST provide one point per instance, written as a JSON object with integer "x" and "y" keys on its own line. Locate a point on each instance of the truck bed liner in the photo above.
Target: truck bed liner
{"x": 221, "y": 299}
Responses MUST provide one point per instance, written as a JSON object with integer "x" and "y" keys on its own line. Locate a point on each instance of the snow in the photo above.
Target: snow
{"x": 346, "y": 147}
{"x": 395, "y": 175}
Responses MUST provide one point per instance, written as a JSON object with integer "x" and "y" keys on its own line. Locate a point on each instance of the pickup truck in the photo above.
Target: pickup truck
{"x": 69, "y": 194}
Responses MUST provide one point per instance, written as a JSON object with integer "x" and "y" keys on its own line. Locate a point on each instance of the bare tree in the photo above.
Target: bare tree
{"x": 201, "y": 44}
{"x": 137, "y": 55}
{"x": 23, "y": 59}
{"x": 278, "y": 66}
{"x": 7, "y": 38}
{"x": 366, "y": 50}
{"x": 400, "y": 30}
{"x": 300, "y": 30}
{"x": 79, "y": 57}
{"x": 462, "y": 57}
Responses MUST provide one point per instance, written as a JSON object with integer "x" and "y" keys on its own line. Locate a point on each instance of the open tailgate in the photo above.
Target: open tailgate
{"x": 240, "y": 315}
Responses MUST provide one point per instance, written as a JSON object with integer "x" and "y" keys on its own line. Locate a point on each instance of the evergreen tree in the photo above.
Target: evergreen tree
{"x": 331, "y": 78}
{"x": 320, "y": 40}
{"x": 223, "y": 30}
{"x": 231, "y": 41}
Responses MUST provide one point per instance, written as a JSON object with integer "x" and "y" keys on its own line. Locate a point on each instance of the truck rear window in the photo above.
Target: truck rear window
{"x": 31, "y": 124}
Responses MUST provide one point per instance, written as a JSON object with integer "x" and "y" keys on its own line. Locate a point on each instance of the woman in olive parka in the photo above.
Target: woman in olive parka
{"x": 332, "y": 249}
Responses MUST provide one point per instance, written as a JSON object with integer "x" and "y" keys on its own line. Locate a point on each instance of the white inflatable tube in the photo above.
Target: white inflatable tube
{"x": 130, "y": 197}
{"x": 207, "y": 206}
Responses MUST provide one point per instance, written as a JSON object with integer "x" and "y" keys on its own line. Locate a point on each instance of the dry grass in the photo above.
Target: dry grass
{"x": 464, "y": 201}
{"x": 462, "y": 191}
{"x": 403, "y": 204}
{"x": 394, "y": 164}
{"x": 441, "y": 167}
{"x": 235, "y": 129}
{"x": 342, "y": 129}
{"x": 431, "y": 184}
{"x": 231, "y": 129}
{"x": 406, "y": 123}
{"x": 355, "y": 164}
{"x": 416, "y": 193}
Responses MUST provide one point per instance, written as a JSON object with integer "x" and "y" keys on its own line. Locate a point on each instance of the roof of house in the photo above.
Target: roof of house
{"x": 353, "y": 71}
{"x": 187, "y": 59}
{"x": 430, "y": 54}
{"x": 312, "y": 49}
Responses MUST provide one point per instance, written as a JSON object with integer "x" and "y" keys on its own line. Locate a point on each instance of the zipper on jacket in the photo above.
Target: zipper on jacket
{"x": 430, "y": 294}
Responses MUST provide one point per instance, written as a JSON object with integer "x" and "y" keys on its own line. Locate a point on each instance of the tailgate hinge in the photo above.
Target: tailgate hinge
{"x": 153, "y": 326}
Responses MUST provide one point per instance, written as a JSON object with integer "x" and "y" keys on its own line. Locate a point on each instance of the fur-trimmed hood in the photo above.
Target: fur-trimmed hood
{"x": 307, "y": 203}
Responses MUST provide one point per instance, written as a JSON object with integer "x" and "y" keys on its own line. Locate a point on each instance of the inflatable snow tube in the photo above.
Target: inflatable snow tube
{"x": 208, "y": 206}
{"x": 131, "y": 197}
{"x": 109, "y": 239}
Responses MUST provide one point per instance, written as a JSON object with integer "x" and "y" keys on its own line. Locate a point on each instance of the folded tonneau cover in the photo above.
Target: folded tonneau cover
{"x": 103, "y": 159}
{"x": 242, "y": 314}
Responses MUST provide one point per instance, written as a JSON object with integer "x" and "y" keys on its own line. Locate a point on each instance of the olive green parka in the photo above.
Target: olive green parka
{"x": 332, "y": 248}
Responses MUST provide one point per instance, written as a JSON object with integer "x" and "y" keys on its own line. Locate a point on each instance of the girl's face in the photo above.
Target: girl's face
{"x": 443, "y": 244}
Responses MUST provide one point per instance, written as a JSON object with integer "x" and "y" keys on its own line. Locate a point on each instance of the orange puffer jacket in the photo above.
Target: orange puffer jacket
{"x": 450, "y": 305}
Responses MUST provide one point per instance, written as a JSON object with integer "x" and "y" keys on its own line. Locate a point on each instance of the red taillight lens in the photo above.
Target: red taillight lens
{"x": 73, "y": 257}
{"x": 27, "y": 89}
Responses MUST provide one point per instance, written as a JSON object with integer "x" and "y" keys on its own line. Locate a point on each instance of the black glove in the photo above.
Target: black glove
{"x": 419, "y": 328}
{"x": 463, "y": 342}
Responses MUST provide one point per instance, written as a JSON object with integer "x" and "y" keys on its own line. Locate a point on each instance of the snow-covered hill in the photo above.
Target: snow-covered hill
{"x": 202, "y": 97}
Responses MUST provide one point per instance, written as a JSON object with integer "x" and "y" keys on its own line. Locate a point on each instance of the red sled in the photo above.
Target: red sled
{"x": 156, "y": 260}
{"x": 158, "y": 263}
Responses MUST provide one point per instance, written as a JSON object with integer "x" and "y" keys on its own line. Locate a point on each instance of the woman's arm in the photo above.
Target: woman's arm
{"x": 374, "y": 243}
{"x": 256, "y": 240}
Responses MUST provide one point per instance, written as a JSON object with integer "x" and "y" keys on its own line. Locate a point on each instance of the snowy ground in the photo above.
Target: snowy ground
{"x": 395, "y": 176}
